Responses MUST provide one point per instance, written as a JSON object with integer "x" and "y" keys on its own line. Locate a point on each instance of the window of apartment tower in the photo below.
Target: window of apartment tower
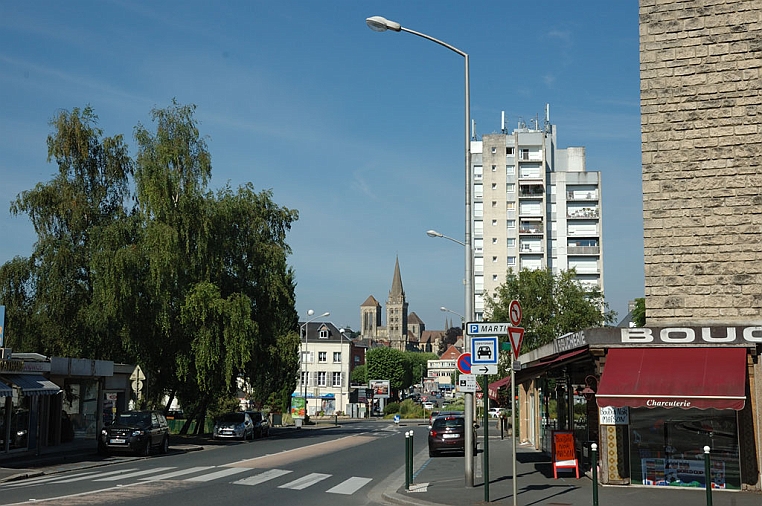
{"x": 494, "y": 168}
{"x": 494, "y": 149}
{"x": 494, "y": 259}
{"x": 509, "y": 150}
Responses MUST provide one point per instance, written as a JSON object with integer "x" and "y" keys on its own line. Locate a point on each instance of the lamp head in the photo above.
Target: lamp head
{"x": 433, "y": 233}
{"x": 310, "y": 312}
{"x": 381, "y": 24}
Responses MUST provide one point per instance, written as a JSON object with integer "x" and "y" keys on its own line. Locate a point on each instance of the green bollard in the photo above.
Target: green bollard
{"x": 708, "y": 475}
{"x": 594, "y": 448}
{"x": 407, "y": 461}
{"x": 412, "y": 452}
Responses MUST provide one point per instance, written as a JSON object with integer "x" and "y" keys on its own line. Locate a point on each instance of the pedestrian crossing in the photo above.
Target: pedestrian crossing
{"x": 281, "y": 478}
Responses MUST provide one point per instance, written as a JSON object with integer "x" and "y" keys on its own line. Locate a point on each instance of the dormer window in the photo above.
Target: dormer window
{"x": 323, "y": 334}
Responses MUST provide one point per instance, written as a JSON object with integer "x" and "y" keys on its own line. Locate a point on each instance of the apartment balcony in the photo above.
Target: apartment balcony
{"x": 584, "y": 213}
{"x": 582, "y": 195}
{"x": 531, "y": 190}
{"x": 583, "y": 250}
{"x": 534, "y": 228}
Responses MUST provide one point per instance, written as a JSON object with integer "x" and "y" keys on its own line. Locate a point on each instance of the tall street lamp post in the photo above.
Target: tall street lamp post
{"x": 381, "y": 24}
{"x": 304, "y": 330}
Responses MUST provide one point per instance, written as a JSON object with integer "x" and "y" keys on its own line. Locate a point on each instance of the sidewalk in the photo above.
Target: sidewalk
{"x": 441, "y": 481}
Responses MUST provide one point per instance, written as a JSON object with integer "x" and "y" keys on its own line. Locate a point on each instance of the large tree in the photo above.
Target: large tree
{"x": 49, "y": 296}
{"x": 552, "y": 305}
{"x": 192, "y": 286}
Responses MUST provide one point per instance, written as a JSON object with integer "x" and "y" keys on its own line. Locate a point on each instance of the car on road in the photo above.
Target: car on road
{"x": 236, "y": 425}
{"x": 261, "y": 423}
{"x": 447, "y": 433}
{"x": 495, "y": 412}
{"x": 137, "y": 432}
{"x": 428, "y": 405}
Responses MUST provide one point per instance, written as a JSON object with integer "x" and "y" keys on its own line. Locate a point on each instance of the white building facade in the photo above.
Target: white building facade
{"x": 534, "y": 206}
{"x": 326, "y": 363}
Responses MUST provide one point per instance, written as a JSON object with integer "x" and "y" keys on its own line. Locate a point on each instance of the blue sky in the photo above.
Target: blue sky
{"x": 361, "y": 132}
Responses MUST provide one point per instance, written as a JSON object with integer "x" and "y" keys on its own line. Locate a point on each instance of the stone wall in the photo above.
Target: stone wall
{"x": 701, "y": 107}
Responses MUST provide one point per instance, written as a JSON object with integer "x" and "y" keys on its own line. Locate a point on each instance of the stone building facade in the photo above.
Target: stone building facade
{"x": 701, "y": 109}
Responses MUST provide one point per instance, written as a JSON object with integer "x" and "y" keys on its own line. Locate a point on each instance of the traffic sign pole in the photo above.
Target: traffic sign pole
{"x": 485, "y": 463}
{"x": 513, "y": 425}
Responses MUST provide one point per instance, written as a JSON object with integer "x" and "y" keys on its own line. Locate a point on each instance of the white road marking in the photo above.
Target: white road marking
{"x": 219, "y": 474}
{"x": 90, "y": 475}
{"x": 262, "y": 477}
{"x": 350, "y": 486}
{"x": 174, "y": 474}
{"x": 306, "y": 481}
{"x": 133, "y": 475}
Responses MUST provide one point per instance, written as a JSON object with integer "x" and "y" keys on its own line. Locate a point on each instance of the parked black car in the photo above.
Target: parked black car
{"x": 448, "y": 434}
{"x": 135, "y": 431}
{"x": 261, "y": 423}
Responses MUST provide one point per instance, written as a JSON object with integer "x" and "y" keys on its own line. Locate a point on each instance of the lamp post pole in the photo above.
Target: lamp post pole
{"x": 304, "y": 330}
{"x": 381, "y": 24}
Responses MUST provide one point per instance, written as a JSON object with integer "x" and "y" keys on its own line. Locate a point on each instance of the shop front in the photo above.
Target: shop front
{"x": 651, "y": 399}
{"x": 676, "y": 402}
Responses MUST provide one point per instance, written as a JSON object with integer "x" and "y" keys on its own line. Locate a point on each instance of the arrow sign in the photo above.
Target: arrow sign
{"x": 516, "y": 335}
{"x": 484, "y": 369}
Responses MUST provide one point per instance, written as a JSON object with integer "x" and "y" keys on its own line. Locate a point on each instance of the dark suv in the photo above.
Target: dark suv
{"x": 261, "y": 423}
{"x": 135, "y": 431}
{"x": 448, "y": 434}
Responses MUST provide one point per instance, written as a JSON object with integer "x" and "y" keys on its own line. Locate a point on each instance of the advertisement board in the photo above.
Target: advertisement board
{"x": 380, "y": 388}
{"x": 298, "y": 407}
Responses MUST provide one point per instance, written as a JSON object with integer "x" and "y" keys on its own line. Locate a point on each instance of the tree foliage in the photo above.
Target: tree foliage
{"x": 401, "y": 368}
{"x": 552, "y": 305}
{"x": 639, "y": 313}
{"x": 191, "y": 285}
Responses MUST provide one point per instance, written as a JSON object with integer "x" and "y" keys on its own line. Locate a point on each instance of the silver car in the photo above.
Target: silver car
{"x": 234, "y": 426}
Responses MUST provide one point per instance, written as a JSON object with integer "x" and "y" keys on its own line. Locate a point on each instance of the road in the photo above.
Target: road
{"x": 346, "y": 465}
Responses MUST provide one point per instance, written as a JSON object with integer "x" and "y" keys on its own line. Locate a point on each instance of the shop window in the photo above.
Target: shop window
{"x": 667, "y": 447}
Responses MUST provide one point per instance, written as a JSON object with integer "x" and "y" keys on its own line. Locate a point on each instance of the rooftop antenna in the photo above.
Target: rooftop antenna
{"x": 547, "y": 118}
{"x": 502, "y": 122}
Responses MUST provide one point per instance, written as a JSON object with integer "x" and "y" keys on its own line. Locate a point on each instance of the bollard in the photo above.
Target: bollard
{"x": 708, "y": 473}
{"x": 410, "y": 466}
{"x": 594, "y": 448}
{"x": 336, "y": 420}
{"x": 407, "y": 461}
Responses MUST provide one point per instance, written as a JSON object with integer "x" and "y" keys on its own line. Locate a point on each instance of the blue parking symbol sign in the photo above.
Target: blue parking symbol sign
{"x": 473, "y": 328}
{"x": 484, "y": 350}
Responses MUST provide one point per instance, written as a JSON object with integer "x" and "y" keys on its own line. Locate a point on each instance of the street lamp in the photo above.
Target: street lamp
{"x": 381, "y": 24}
{"x": 304, "y": 330}
{"x": 445, "y": 310}
{"x": 434, "y": 233}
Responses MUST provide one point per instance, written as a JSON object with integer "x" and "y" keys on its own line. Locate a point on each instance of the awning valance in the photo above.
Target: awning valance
{"x": 5, "y": 390}
{"x": 33, "y": 384}
{"x": 684, "y": 378}
{"x": 493, "y": 387}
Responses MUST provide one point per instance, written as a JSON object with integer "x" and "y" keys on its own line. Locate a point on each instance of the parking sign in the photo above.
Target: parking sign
{"x": 484, "y": 350}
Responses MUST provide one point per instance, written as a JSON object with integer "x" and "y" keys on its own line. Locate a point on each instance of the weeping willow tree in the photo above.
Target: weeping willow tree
{"x": 192, "y": 285}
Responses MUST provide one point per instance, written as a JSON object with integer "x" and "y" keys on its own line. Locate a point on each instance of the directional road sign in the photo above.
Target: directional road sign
{"x": 464, "y": 363}
{"x": 484, "y": 369}
{"x": 484, "y": 350}
{"x": 487, "y": 329}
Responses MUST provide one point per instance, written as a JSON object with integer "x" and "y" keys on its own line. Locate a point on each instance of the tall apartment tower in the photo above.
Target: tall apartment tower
{"x": 535, "y": 206}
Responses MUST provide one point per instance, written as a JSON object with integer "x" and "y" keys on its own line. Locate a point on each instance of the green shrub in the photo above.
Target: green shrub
{"x": 391, "y": 408}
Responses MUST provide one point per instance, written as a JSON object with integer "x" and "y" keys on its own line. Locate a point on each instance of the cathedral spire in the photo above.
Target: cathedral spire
{"x": 397, "y": 289}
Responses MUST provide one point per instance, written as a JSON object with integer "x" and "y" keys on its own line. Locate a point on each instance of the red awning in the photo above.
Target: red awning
{"x": 493, "y": 387}
{"x": 674, "y": 378}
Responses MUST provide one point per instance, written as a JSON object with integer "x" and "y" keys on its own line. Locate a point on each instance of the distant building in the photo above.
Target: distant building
{"x": 534, "y": 206}
{"x": 402, "y": 330}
